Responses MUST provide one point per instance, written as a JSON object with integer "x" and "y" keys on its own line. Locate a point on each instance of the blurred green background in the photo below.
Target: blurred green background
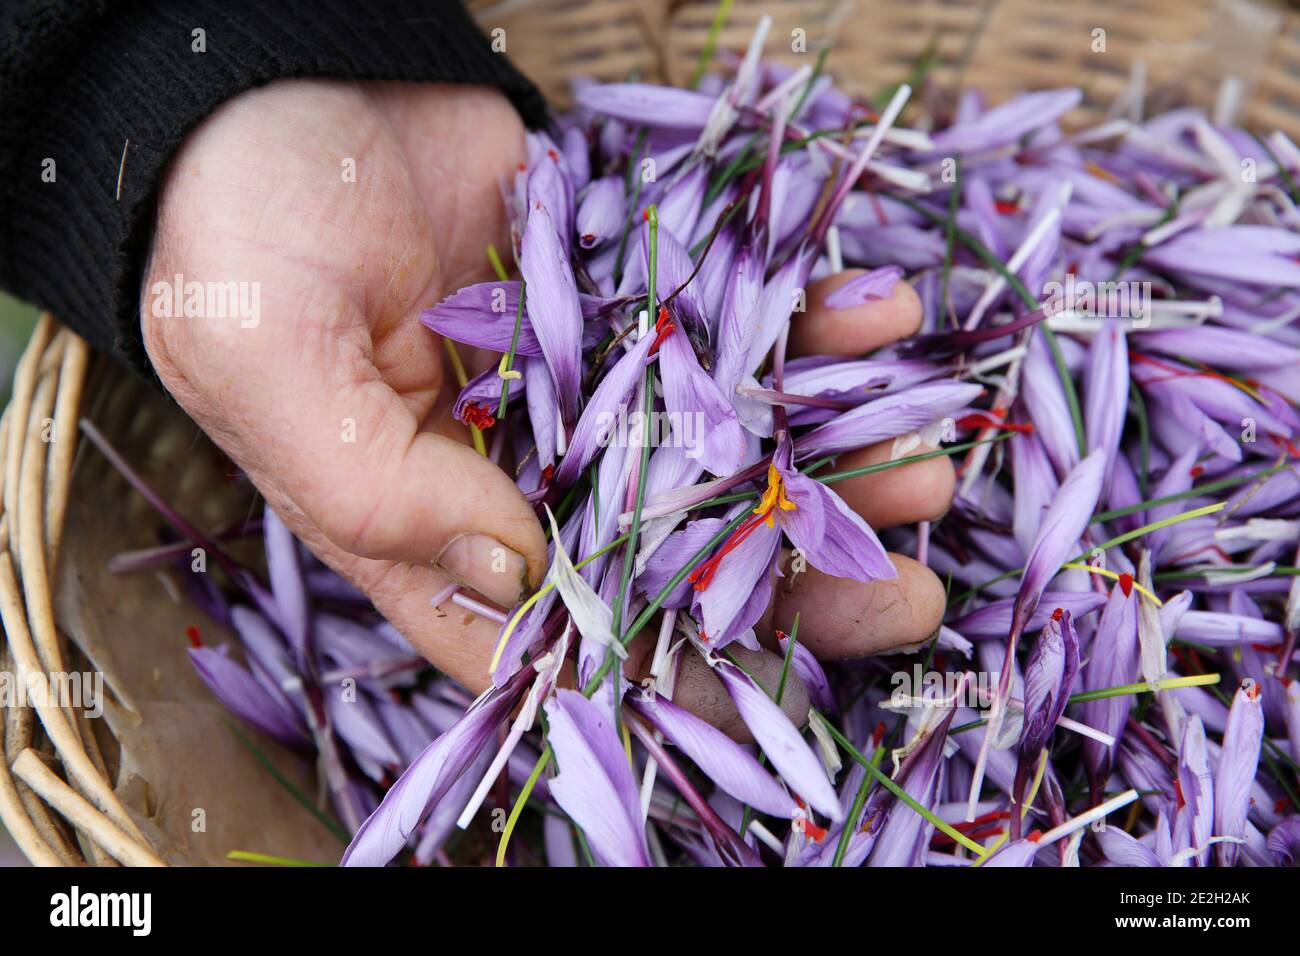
{"x": 16, "y": 321}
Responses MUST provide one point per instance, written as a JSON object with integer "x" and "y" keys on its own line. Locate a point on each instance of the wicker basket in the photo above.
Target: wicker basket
{"x": 150, "y": 782}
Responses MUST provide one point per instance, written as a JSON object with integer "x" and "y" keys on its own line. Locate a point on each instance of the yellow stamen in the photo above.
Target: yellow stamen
{"x": 774, "y": 497}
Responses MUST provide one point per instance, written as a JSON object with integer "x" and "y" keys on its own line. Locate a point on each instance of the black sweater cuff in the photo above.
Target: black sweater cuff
{"x": 82, "y": 81}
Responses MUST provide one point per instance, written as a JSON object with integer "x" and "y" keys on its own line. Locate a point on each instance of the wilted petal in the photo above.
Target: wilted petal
{"x": 599, "y": 417}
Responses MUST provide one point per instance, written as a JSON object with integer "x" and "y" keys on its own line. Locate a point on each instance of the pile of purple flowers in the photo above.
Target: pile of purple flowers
{"x": 1110, "y": 347}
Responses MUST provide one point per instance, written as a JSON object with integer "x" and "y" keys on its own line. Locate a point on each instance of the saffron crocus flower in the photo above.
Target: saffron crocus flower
{"x": 431, "y": 776}
{"x": 830, "y": 535}
{"x": 595, "y": 786}
{"x": 1058, "y": 535}
{"x": 1049, "y": 678}
{"x": 241, "y": 693}
{"x": 1237, "y": 766}
{"x": 553, "y": 309}
{"x": 1113, "y": 660}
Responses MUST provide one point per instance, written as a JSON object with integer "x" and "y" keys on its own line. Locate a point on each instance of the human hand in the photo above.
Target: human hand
{"x": 258, "y": 194}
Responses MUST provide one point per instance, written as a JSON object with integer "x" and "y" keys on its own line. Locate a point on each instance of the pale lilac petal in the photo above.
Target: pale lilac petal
{"x": 553, "y": 309}
{"x": 1238, "y": 764}
{"x": 601, "y": 215}
{"x": 711, "y": 432}
{"x": 241, "y": 693}
{"x": 1006, "y": 123}
{"x": 640, "y": 103}
{"x": 869, "y": 287}
{"x": 725, "y": 762}
{"x": 595, "y": 786}
{"x": 601, "y": 414}
{"x": 780, "y": 740}
{"x": 1105, "y": 391}
{"x": 887, "y": 417}
{"x": 810, "y": 672}
{"x": 429, "y": 777}
{"x": 1058, "y": 534}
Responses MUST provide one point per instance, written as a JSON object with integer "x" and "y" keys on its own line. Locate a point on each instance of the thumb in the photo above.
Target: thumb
{"x": 332, "y": 441}
{"x": 379, "y": 487}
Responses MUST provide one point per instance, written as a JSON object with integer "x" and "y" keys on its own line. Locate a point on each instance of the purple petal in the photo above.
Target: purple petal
{"x": 994, "y": 619}
{"x": 780, "y": 740}
{"x": 1006, "y": 123}
{"x": 710, "y": 429}
{"x": 640, "y": 103}
{"x": 1050, "y": 671}
{"x": 430, "y": 776}
{"x": 1238, "y": 764}
{"x": 1106, "y": 388}
{"x": 595, "y": 785}
{"x": 887, "y": 417}
{"x": 870, "y": 287}
{"x": 725, "y": 762}
{"x": 241, "y": 693}
{"x": 1059, "y": 533}
{"x": 553, "y": 309}
{"x": 602, "y": 213}
{"x": 810, "y": 672}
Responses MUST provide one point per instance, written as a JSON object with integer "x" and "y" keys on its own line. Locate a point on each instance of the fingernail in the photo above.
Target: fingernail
{"x": 483, "y": 563}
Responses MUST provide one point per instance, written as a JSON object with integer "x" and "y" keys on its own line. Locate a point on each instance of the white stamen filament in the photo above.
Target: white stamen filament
{"x": 1083, "y": 819}
{"x": 1087, "y": 731}
{"x": 479, "y": 608}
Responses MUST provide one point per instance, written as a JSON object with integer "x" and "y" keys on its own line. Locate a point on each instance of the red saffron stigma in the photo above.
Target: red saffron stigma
{"x": 192, "y": 633}
{"x": 663, "y": 327}
{"x": 1034, "y": 836}
{"x": 1006, "y": 207}
{"x": 478, "y": 416}
{"x": 1126, "y": 584}
{"x": 1058, "y": 614}
{"x": 980, "y": 421}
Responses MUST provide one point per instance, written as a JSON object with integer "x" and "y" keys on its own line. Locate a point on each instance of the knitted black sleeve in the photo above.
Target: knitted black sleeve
{"x": 84, "y": 83}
